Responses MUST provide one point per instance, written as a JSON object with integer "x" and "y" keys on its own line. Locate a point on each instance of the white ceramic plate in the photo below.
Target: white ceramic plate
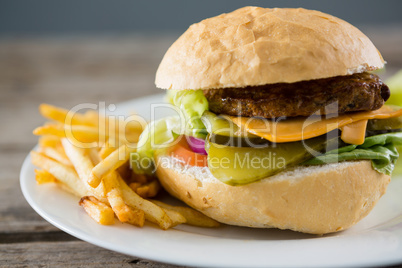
{"x": 375, "y": 241}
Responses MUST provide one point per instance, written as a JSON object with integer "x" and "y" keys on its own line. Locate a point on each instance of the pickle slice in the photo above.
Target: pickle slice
{"x": 242, "y": 165}
{"x": 384, "y": 124}
{"x": 218, "y": 125}
{"x": 239, "y": 141}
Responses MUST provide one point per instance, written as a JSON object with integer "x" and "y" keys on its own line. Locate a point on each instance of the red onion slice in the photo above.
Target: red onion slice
{"x": 197, "y": 145}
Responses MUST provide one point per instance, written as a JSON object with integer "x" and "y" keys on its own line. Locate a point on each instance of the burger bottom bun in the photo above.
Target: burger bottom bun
{"x": 313, "y": 199}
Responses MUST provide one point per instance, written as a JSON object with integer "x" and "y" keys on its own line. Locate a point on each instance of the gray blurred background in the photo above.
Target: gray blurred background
{"x": 46, "y": 17}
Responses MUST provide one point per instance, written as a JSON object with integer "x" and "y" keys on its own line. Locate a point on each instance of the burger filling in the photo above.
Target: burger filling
{"x": 357, "y": 92}
{"x": 216, "y": 131}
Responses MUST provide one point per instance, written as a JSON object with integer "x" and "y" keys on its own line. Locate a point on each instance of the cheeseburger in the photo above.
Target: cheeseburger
{"x": 280, "y": 121}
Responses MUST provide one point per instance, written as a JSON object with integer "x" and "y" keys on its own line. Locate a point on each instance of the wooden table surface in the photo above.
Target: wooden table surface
{"x": 66, "y": 71}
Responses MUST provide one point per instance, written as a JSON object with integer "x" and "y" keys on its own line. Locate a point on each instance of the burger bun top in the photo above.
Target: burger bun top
{"x": 255, "y": 46}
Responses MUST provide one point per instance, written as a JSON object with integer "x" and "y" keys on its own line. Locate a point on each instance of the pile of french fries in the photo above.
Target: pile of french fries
{"x": 88, "y": 155}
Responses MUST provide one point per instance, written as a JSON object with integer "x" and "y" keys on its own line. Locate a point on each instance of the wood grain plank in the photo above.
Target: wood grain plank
{"x": 67, "y": 71}
{"x": 69, "y": 254}
{"x": 15, "y": 213}
{"x": 35, "y": 236}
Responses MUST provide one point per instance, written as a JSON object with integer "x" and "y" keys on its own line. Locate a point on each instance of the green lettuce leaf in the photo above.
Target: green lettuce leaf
{"x": 192, "y": 103}
{"x": 161, "y": 133}
{"x": 380, "y": 149}
{"x": 157, "y": 134}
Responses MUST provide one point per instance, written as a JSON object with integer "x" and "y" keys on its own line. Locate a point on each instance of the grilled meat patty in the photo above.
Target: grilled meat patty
{"x": 341, "y": 94}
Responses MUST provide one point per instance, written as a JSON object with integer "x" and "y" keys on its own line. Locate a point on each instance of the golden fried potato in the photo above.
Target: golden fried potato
{"x": 100, "y": 212}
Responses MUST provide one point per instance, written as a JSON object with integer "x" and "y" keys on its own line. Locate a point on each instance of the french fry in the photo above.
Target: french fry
{"x": 61, "y": 172}
{"x": 92, "y": 116}
{"x": 110, "y": 164}
{"x": 134, "y": 124}
{"x": 42, "y": 176}
{"x": 152, "y": 212}
{"x": 49, "y": 141}
{"x": 83, "y": 166}
{"x": 82, "y": 163}
{"x": 60, "y": 115}
{"x": 135, "y": 185}
{"x": 124, "y": 212}
{"x": 130, "y": 137}
{"x": 78, "y": 133}
{"x": 87, "y": 154}
{"x": 97, "y": 210}
{"x": 149, "y": 190}
{"x": 140, "y": 178}
{"x": 51, "y": 146}
{"x": 50, "y": 129}
{"x": 130, "y": 127}
{"x": 56, "y": 155}
{"x": 192, "y": 216}
{"x": 175, "y": 217}
{"x": 106, "y": 150}
{"x": 94, "y": 156}
{"x": 125, "y": 171}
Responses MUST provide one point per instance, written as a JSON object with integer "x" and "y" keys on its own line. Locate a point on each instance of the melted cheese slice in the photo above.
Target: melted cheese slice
{"x": 296, "y": 129}
{"x": 355, "y": 132}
